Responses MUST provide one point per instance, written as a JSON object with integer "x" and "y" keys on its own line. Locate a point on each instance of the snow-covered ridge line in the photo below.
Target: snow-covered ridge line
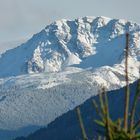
{"x": 4, "y": 46}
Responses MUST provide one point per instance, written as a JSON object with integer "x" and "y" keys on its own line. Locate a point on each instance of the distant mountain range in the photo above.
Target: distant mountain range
{"x": 61, "y": 67}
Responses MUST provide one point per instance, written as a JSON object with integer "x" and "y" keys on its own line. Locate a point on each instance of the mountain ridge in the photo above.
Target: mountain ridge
{"x": 63, "y": 66}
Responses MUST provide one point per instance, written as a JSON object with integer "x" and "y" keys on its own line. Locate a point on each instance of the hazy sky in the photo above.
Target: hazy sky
{"x": 22, "y": 18}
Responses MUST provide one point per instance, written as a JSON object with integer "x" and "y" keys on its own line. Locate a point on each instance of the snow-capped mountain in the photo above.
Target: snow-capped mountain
{"x": 86, "y": 42}
{"x": 63, "y": 66}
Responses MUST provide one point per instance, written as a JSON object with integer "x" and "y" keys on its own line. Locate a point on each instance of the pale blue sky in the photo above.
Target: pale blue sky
{"x": 22, "y": 18}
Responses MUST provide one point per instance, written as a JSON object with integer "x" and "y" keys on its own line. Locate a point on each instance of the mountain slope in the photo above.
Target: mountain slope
{"x": 67, "y": 126}
{"x": 4, "y": 46}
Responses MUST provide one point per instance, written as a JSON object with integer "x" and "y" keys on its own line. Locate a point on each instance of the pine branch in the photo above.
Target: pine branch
{"x": 132, "y": 117}
{"x": 108, "y": 125}
{"x": 127, "y": 94}
{"x": 81, "y": 124}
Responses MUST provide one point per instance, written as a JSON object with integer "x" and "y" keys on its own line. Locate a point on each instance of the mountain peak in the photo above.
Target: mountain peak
{"x": 80, "y": 42}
